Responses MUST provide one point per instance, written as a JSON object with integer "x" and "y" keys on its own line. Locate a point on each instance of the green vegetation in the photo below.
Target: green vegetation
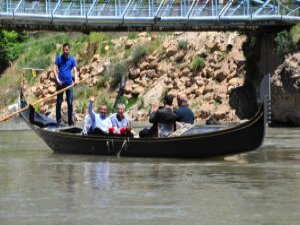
{"x": 141, "y": 104}
{"x": 284, "y": 44}
{"x": 286, "y": 41}
{"x": 137, "y": 53}
{"x": 10, "y": 47}
{"x": 132, "y": 36}
{"x": 127, "y": 102}
{"x": 156, "y": 45}
{"x": 114, "y": 76}
{"x": 295, "y": 33}
{"x": 183, "y": 44}
{"x": 197, "y": 64}
{"x": 81, "y": 107}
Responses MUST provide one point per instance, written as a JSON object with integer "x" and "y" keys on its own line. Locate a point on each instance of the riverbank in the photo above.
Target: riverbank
{"x": 220, "y": 72}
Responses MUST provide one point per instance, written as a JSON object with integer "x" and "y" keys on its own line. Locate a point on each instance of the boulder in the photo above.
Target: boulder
{"x": 37, "y": 91}
{"x": 137, "y": 91}
{"x": 151, "y": 74}
{"x": 144, "y": 65}
{"x": 51, "y": 89}
{"x": 143, "y": 83}
{"x": 128, "y": 88}
{"x": 142, "y": 34}
{"x": 179, "y": 56}
{"x": 43, "y": 77}
{"x": 134, "y": 73}
{"x": 185, "y": 72}
{"x": 129, "y": 44}
{"x": 171, "y": 51}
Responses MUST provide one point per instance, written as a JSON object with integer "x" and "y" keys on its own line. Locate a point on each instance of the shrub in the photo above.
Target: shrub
{"x": 183, "y": 44}
{"x": 284, "y": 44}
{"x": 138, "y": 53}
{"x": 197, "y": 63}
{"x": 295, "y": 33}
{"x": 116, "y": 73}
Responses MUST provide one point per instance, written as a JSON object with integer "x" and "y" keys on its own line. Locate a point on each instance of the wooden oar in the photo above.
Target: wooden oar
{"x": 43, "y": 99}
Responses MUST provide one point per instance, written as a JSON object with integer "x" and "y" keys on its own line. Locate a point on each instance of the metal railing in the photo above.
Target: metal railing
{"x": 148, "y": 13}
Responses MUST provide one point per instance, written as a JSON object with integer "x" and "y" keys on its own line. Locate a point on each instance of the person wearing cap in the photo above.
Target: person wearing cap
{"x": 184, "y": 113}
{"x": 163, "y": 120}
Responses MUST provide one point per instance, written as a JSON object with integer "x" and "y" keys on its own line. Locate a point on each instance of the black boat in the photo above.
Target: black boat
{"x": 199, "y": 142}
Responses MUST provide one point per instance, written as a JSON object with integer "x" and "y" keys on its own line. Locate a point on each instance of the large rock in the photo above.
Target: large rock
{"x": 134, "y": 73}
{"x": 286, "y": 92}
{"x": 151, "y": 74}
{"x": 51, "y": 89}
{"x": 171, "y": 51}
{"x": 179, "y": 56}
{"x": 129, "y": 44}
{"x": 185, "y": 72}
{"x": 137, "y": 91}
{"x": 37, "y": 90}
{"x": 144, "y": 65}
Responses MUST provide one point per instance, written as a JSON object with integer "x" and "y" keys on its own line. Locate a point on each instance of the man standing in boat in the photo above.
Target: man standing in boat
{"x": 64, "y": 64}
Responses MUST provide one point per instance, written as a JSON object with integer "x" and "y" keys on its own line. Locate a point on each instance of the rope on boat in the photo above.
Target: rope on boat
{"x": 112, "y": 144}
{"x": 124, "y": 145}
{"x": 107, "y": 145}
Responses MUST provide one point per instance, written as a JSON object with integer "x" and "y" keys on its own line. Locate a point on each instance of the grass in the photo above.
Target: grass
{"x": 132, "y": 36}
{"x": 141, "y": 104}
{"x": 197, "y": 64}
{"x": 183, "y": 44}
{"x": 156, "y": 44}
{"x": 9, "y": 86}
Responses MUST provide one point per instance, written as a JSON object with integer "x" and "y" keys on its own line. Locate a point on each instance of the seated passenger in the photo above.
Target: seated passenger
{"x": 120, "y": 121}
{"x": 100, "y": 123}
{"x": 163, "y": 120}
{"x": 184, "y": 113}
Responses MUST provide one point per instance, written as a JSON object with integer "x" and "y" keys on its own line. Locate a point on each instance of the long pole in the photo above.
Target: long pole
{"x": 43, "y": 99}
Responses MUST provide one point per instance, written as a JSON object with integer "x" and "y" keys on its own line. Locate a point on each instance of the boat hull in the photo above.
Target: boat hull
{"x": 241, "y": 138}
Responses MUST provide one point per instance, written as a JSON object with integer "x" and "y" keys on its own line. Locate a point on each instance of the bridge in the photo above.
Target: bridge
{"x": 147, "y": 14}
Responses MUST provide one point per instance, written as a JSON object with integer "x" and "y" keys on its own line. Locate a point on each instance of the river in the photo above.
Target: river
{"x": 40, "y": 187}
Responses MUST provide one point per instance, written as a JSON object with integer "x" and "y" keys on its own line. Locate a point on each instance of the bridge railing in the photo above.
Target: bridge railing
{"x": 143, "y": 12}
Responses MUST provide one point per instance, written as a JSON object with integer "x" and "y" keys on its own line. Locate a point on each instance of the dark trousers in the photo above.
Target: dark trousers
{"x": 147, "y": 133}
{"x": 59, "y": 100}
{"x": 98, "y": 131}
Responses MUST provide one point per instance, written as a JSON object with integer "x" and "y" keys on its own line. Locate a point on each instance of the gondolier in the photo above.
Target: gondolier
{"x": 63, "y": 66}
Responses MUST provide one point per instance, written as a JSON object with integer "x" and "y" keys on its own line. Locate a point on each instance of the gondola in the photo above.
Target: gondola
{"x": 199, "y": 142}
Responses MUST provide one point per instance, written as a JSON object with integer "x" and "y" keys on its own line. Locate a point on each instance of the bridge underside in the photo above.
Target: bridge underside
{"x": 87, "y": 15}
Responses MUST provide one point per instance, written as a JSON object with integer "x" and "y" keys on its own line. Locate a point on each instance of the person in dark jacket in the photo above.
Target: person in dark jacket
{"x": 163, "y": 120}
{"x": 184, "y": 113}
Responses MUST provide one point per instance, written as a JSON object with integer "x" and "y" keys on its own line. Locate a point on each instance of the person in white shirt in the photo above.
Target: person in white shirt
{"x": 100, "y": 122}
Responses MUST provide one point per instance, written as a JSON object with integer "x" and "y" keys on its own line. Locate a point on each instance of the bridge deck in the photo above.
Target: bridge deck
{"x": 152, "y": 14}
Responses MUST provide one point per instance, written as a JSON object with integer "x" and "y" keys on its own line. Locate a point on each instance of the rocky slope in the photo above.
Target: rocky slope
{"x": 171, "y": 69}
